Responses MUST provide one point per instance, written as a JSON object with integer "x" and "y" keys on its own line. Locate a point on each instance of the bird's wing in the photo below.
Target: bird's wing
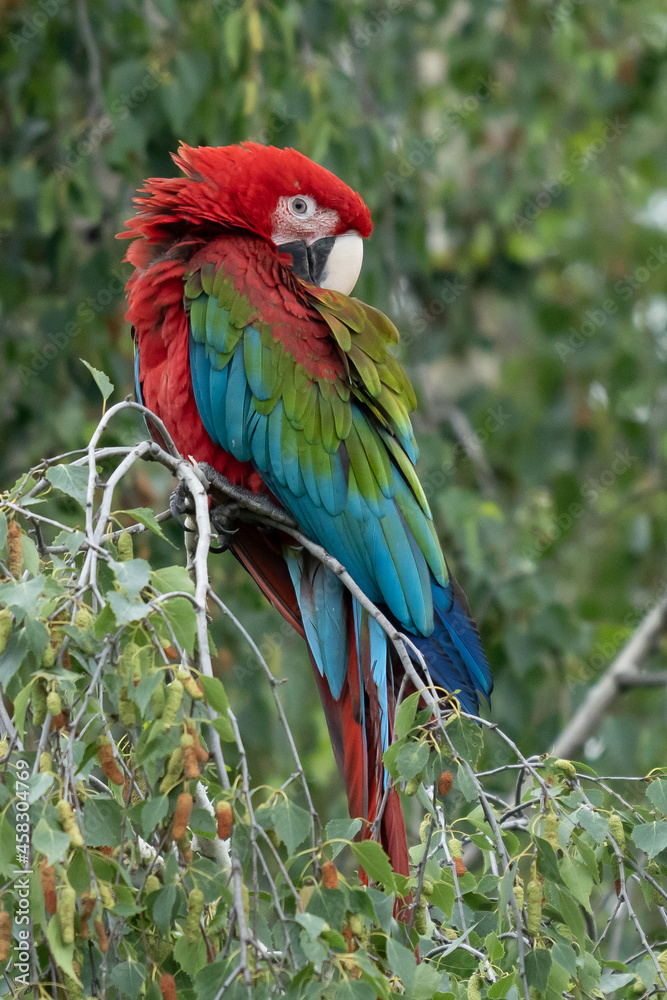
{"x": 300, "y": 382}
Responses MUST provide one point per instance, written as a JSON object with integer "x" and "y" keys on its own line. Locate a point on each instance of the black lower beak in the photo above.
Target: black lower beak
{"x": 309, "y": 262}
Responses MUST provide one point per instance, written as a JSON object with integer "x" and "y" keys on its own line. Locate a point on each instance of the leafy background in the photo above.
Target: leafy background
{"x": 512, "y": 155}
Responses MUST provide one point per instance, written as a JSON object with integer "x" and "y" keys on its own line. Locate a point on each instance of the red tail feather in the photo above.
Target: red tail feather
{"x": 353, "y": 719}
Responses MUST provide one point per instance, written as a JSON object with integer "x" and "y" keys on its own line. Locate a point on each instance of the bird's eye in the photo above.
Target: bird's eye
{"x": 301, "y": 206}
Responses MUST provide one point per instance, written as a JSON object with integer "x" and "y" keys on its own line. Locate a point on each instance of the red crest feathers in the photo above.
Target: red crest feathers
{"x": 238, "y": 187}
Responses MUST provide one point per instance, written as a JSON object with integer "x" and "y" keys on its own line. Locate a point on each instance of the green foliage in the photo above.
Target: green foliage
{"x": 528, "y": 879}
{"x": 511, "y": 154}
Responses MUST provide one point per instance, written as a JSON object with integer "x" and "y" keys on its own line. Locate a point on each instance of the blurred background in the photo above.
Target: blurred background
{"x": 513, "y": 156}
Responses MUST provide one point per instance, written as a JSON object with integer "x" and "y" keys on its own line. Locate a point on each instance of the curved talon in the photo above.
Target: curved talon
{"x": 180, "y": 502}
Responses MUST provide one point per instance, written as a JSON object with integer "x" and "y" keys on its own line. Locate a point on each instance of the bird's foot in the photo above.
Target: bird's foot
{"x": 223, "y": 519}
{"x": 181, "y": 503}
{"x": 256, "y": 503}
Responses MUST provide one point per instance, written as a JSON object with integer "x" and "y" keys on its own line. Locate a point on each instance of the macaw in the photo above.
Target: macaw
{"x": 251, "y": 350}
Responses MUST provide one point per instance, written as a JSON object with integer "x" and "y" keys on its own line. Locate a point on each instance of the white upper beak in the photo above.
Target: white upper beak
{"x": 343, "y": 265}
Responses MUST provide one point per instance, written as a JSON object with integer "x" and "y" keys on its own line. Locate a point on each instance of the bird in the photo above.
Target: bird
{"x": 252, "y": 351}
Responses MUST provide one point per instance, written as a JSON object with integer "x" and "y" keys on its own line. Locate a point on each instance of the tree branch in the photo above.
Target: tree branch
{"x": 622, "y": 672}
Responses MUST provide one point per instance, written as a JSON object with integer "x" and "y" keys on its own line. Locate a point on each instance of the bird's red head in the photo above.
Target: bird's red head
{"x": 278, "y": 194}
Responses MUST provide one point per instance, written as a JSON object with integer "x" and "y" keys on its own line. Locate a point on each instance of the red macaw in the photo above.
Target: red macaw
{"x": 251, "y": 351}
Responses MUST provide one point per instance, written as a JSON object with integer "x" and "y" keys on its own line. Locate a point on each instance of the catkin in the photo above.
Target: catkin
{"x": 460, "y": 867}
{"x": 5, "y": 627}
{"x": 533, "y": 905}
{"x": 69, "y": 824}
{"x": 66, "y": 910}
{"x": 412, "y": 786}
{"x": 101, "y": 934}
{"x": 158, "y": 700}
{"x": 5, "y": 935}
{"x": 200, "y": 749}
{"x": 38, "y": 702}
{"x": 107, "y": 761}
{"x": 225, "y": 817}
{"x": 174, "y": 771}
{"x": 87, "y": 907}
{"x": 420, "y": 919}
{"x": 475, "y": 987}
{"x": 329, "y": 875}
{"x": 45, "y": 762}
{"x": 126, "y": 708}
{"x": 84, "y": 619}
{"x": 189, "y": 683}
{"x": 566, "y": 768}
{"x": 15, "y": 548}
{"x": 182, "y": 815}
{"x": 47, "y": 877}
{"x": 48, "y": 657}
{"x": 54, "y": 703}
{"x": 617, "y": 831}
{"x": 195, "y": 910}
{"x": 551, "y": 829}
{"x": 172, "y": 704}
{"x": 167, "y": 986}
{"x": 445, "y": 782}
{"x": 190, "y": 763}
{"x": 152, "y": 884}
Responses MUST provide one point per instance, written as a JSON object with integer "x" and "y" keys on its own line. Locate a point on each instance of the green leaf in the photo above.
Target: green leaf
{"x": 501, "y": 987}
{"x": 183, "y": 620}
{"x": 101, "y": 822}
{"x": 291, "y": 823}
{"x": 163, "y": 907}
{"x": 592, "y": 822}
{"x": 132, "y": 575}
{"x": 153, "y": 812}
{"x": 171, "y": 578}
{"x": 63, "y": 954}
{"x": 104, "y": 384}
{"x": 651, "y": 837}
{"x": 13, "y": 655}
{"x": 402, "y": 962}
{"x": 657, "y": 793}
{"x": 411, "y": 760}
{"x": 547, "y": 861}
{"x": 126, "y": 609}
{"x": 467, "y": 738}
{"x": 538, "y": 966}
{"x": 71, "y": 480}
{"x": 341, "y": 830}
{"x": 190, "y": 956}
{"x": 8, "y": 846}
{"x": 145, "y": 516}
{"x": 405, "y": 717}
{"x": 375, "y": 863}
{"x": 443, "y": 896}
{"x": 129, "y": 977}
{"x": 50, "y": 841}
{"x": 577, "y": 879}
